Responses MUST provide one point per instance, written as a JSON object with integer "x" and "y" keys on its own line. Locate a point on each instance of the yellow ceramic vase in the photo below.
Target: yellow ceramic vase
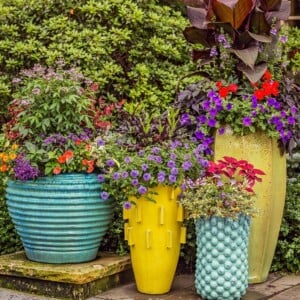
{"x": 264, "y": 154}
{"x": 154, "y": 233}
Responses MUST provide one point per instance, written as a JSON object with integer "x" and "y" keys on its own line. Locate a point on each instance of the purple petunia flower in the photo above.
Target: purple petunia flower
{"x": 104, "y": 195}
{"x": 185, "y": 119}
{"x": 221, "y": 130}
{"x": 201, "y": 119}
{"x": 187, "y": 165}
{"x": 161, "y": 176}
{"x": 173, "y": 156}
{"x": 100, "y": 143}
{"x": 229, "y": 106}
{"x": 110, "y": 163}
{"x": 199, "y": 135}
{"x": 127, "y": 205}
{"x": 127, "y": 160}
{"x": 174, "y": 171}
{"x": 206, "y": 105}
{"x": 101, "y": 178}
{"x": 294, "y": 110}
{"x": 124, "y": 174}
{"x": 273, "y": 31}
{"x": 142, "y": 190}
{"x": 213, "y": 52}
{"x": 291, "y": 120}
{"x": 247, "y": 121}
{"x": 155, "y": 150}
{"x": 172, "y": 178}
{"x": 171, "y": 164}
{"x": 147, "y": 176}
{"x": 145, "y": 167}
{"x": 283, "y": 39}
{"x": 134, "y": 173}
{"x": 211, "y": 122}
{"x": 135, "y": 182}
{"x": 116, "y": 176}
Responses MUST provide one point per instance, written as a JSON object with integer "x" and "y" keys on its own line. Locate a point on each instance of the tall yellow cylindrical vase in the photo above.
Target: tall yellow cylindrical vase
{"x": 154, "y": 233}
{"x": 264, "y": 154}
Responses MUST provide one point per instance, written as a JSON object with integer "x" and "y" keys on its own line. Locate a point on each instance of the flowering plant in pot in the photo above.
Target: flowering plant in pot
{"x": 48, "y": 151}
{"x": 247, "y": 100}
{"x": 145, "y": 168}
{"x": 221, "y": 203}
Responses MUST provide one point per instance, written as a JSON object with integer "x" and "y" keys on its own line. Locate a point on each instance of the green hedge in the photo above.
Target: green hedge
{"x": 9, "y": 240}
{"x": 134, "y": 49}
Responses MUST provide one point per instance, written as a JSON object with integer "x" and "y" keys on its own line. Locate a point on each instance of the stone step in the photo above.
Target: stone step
{"x": 65, "y": 281}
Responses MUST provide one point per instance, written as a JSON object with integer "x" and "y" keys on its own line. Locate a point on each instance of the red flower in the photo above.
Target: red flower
{"x": 259, "y": 94}
{"x": 267, "y": 75}
{"x": 224, "y": 91}
{"x": 233, "y": 88}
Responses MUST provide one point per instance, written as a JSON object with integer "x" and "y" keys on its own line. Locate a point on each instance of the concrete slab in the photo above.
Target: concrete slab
{"x": 65, "y": 281}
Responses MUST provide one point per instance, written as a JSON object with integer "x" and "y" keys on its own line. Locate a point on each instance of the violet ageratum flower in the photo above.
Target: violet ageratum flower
{"x": 110, "y": 163}
{"x": 134, "y": 173}
{"x": 104, "y": 195}
{"x": 24, "y": 170}
{"x": 142, "y": 190}
{"x": 247, "y": 121}
{"x": 135, "y": 182}
{"x": 101, "y": 178}
{"x": 147, "y": 176}
{"x": 127, "y": 205}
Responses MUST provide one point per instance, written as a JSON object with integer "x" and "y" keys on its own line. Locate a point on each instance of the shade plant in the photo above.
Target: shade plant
{"x": 247, "y": 81}
{"x": 226, "y": 190}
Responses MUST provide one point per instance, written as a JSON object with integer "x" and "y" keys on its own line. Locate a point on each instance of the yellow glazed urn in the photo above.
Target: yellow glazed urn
{"x": 154, "y": 233}
{"x": 263, "y": 152}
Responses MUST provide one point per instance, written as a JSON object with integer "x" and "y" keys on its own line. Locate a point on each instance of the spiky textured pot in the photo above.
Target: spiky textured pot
{"x": 154, "y": 233}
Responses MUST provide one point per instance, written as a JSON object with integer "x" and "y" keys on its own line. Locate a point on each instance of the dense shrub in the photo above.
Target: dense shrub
{"x": 287, "y": 254}
{"x": 134, "y": 49}
{"x": 9, "y": 240}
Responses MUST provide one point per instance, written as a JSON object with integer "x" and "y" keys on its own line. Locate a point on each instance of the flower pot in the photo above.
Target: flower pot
{"x": 264, "y": 153}
{"x": 154, "y": 232}
{"x": 60, "y": 219}
{"x": 222, "y": 257}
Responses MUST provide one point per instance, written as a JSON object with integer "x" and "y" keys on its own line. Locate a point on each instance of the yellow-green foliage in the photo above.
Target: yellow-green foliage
{"x": 134, "y": 49}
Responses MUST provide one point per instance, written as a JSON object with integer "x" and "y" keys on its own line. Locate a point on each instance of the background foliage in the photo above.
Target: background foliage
{"x": 125, "y": 45}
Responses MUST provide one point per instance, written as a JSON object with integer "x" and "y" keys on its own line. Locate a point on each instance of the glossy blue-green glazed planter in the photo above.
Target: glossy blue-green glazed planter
{"x": 222, "y": 257}
{"x": 60, "y": 219}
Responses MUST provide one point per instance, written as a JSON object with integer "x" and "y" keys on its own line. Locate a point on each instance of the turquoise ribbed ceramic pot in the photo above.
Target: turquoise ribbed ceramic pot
{"x": 222, "y": 258}
{"x": 60, "y": 219}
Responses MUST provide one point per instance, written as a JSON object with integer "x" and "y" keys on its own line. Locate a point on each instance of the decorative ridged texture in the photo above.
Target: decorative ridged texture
{"x": 154, "y": 232}
{"x": 222, "y": 258}
{"x": 60, "y": 219}
{"x": 264, "y": 154}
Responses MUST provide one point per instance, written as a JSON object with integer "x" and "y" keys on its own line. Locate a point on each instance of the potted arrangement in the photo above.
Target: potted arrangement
{"x": 247, "y": 100}
{"x": 145, "y": 171}
{"x": 221, "y": 204}
{"x": 48, "y": 151}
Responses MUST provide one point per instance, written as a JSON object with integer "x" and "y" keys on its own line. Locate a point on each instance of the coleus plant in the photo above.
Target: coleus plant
{"x": 248, "y": 23}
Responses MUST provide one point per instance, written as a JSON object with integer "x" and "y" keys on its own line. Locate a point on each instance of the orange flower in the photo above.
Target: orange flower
{"x": 5, "y": 157}
{"x": 88, "y": 147}
{"x": 61, "y": 159}
{"x": 14, "y": 147}
{"x": 89, "y": 164}
{"x": 78, "y": 142}
{"x": 57, "y": 170}
{"x": 3, "y": 168}
{"x": 67, "y": 156}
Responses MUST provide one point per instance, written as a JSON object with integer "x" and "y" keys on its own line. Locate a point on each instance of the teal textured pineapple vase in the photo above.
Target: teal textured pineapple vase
{"x": 222, "y": 257}
{"x": 61, "y": 218}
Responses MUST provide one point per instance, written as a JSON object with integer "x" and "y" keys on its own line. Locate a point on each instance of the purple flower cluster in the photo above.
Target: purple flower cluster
{"x": 24, "y": 170}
